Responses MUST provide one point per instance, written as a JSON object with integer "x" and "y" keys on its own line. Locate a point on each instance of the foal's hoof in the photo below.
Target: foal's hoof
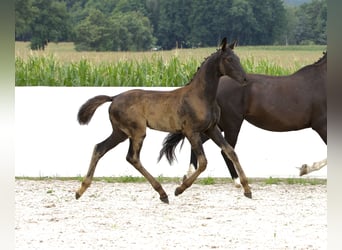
{"x": 77, "y": 195}
{"x": 178, "y": 191}
{"x": 248, "y": 195}
{"x": 165, "y": 199}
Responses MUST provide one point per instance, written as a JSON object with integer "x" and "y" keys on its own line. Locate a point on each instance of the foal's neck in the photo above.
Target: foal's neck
{"x": 206, "y": 80}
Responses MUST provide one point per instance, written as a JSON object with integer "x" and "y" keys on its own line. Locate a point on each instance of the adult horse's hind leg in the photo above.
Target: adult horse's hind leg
{"x": 99, "y": 150}
{"x": 215, "y": 134}
{"x": 306, "y": 169}
{"x": 133, "y": 157}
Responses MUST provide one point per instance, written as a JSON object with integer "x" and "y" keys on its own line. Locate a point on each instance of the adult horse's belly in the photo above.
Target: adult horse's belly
{"x": 278, "y": 114}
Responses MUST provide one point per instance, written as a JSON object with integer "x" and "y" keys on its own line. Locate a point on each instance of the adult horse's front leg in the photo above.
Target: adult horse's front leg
{"x": 133, "y": 157}
{"x": 197, "y": 148}
{"x": 215, "y": 134}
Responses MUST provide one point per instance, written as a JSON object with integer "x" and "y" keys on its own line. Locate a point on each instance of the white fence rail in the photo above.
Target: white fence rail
{"x": 50, "y": 142}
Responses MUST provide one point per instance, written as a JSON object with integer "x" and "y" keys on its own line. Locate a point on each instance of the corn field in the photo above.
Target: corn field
{"x": 64, "y": 67}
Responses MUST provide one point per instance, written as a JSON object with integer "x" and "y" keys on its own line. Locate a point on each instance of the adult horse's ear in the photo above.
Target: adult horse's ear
{"x": 224, "y": 44}
{"x": 233, "y": 44}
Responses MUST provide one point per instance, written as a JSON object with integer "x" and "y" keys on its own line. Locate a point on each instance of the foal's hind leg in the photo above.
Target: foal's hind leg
{"x": 197, "y": 148}
{"x": 99, "y": 150}
{"x": 215, "y": 134}
{"x": 133, "y": 157}
{"x": 193, "y": 159}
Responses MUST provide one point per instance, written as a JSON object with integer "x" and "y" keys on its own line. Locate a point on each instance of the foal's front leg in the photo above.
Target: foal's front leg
{"x": 215, "y": 134}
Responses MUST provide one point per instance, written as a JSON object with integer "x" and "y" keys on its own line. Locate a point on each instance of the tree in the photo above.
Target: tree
{"x": 243, "y": 23}
{"x": 93, "y": 33}
{"x": 173, "y": 26}
{"x": 135, "y": 31}
{"x": 41, "y": 21}
{"x": 270, "y": 21}
{"x": 208, "y": 22}
{"x": 312, "y": 19}
{"x": 137, "y": 25}
{"x": 23, "y": 17}
{"x": 119, "y": 31}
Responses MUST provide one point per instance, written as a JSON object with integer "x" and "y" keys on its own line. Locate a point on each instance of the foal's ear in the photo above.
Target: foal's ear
{"x": 224, "y": 44}
{"x": 233, "y": 44}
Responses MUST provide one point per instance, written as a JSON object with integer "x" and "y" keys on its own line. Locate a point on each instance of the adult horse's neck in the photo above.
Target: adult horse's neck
{"x": 206, "y": 79}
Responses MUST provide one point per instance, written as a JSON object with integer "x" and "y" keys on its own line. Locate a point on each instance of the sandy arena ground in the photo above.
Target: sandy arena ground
{"x": 131, "y": 216}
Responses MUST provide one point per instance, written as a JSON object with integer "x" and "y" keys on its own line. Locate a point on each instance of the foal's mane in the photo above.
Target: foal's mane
{"x": 198, "y": 68}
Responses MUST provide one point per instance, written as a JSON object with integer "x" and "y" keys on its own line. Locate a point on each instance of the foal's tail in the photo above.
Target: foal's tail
{"x": 87, "y": 110}
{"x": 169, "y": 145}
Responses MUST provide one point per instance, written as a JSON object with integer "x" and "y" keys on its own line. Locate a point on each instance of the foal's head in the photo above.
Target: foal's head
{"x": 230, "y": 63}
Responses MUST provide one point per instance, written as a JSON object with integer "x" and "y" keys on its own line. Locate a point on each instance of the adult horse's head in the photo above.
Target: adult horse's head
{"x": 230, "y": 63}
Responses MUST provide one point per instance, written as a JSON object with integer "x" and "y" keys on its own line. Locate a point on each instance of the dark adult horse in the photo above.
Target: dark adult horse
{"x": 191, "y": 110}
{"x": 274, "y": 103}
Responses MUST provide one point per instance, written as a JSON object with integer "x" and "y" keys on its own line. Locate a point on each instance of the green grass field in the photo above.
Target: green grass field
{"x": 61, "y": 65}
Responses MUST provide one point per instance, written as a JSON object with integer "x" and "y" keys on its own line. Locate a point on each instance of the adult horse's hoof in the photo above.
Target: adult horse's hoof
{"x": 237, "y": 183}
{"x": 303, "y": 170}
{"x": 165, "y": 199}
{"x": 248, "y": 195}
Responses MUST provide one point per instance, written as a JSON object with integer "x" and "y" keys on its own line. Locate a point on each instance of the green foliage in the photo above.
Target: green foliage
{"x": 122, "y": 31}
{"x": 207, "y": 181}
{"x": 295, "y": 181}
{"x": 124, "y": 179}
{"x": 138, "y": 25}
{"x": 266, "y": 67}
{"x": 272, "y": 181}
{"x": 47, "y": 71}
{"x": 312, "y": 23}
{"x": 150, "y": 72}
{"x": 41, "y": 21}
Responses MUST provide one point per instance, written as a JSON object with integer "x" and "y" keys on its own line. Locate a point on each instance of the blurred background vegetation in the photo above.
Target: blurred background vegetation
{"x": 140, "y": 25}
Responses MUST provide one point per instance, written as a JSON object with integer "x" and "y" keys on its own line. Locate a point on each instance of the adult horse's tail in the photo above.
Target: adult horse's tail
{"x": 169, "y": 145}
{"x": 87, "y": 110}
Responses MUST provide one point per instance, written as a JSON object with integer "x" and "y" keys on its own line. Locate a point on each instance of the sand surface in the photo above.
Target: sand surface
{"x": 131, "y": 216}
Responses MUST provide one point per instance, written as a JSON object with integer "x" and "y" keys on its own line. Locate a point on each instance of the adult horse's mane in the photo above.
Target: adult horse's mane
{"x": 317, "y": 63}
{"x": 324, "y": 57}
